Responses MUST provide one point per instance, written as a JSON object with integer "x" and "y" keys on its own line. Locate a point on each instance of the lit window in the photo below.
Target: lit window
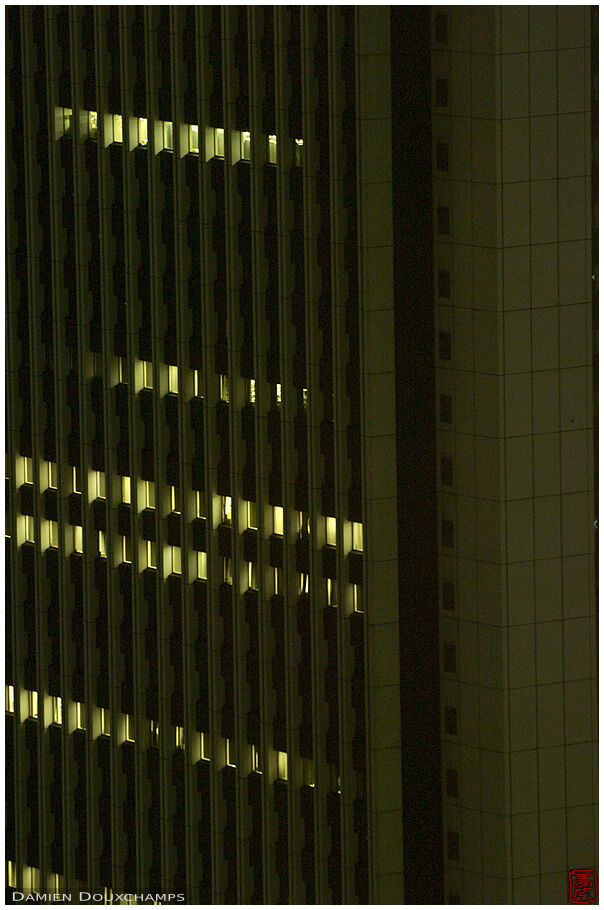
{"x": 149, "y": 494}
{"x": 52, "y": 475}
{"x": 175, "y": 499}
{"x": 53, "y": 534}
{"x": 278, "y": 579}
{"x": 11, "y": 874}
{"x": 308, "y": 770}
{"x": 251, "y": 576}
{"x": 229, "y": 754}
{"x": 246, "y": 146}
{"x": 28, "y": 472}
{"x": 29, "y": 529}
{"x": 304, "y": 581}
{"x": 330, "y": 531}
{"x": 194, "y": 139}
{"x": 118, "y": 133}
{"x": 9, "y": 697}
{"x": 357, "y": 535}
{"x": 31, "y": 879}
{"x": 55, "y": 883}
{"x": 332, "y": 593}
{"x": 99, "y": 485}
{"x": 218, "y": 141}
{"x": 251, "y": 391}
{"x": 202, "y": 747}
{"x": 278, "y": 393}
{"x": 282, "y": 765}
{"x": 202, "y": 564}
{"x": 79, "y": 716}
{"x": 57, "y": 710}
{"x": 151, "y": 558}
{"x": 143, "y": 131}
{"x": 196, "y": 383}
{"x": 179, "y": 737}
{"x": 104, "y": 719}
{"x": 168, "y": 135}
{"x": 32, "y": 704}
{"x": 200, "y": 505}
{"x": 120, "y": 370}
{"x": 224, "y": 387}
{"x": 299, "y": 147}
{"x": 227, "y": 573}
{"x": 147, "y": 374}
{"x": 77, "y": 539}
{"x": 272, "y": 149}
{"x": 175, "y": 559}
{"x": 173, "y": 379}
{"x": 102, "y": 544}
{"x": 252, "y": 514}
{"x": 126, "y": 490}
{"x": 225, "y": 509}
{"x": 126, "y": 549}
{"x": 128, "y": 728}
{"x": 305, "y": 398}
{"x": 255, "y": 757}
{"x": 357, "y": 601}
{"x": 67, "y": 119}
{"x": 76, "y": 483}
{"x": 278, "y": 519}
{"x": 93, "y": 125}
{"x": 303, "y": 524}
{"x": 154, "y": 729}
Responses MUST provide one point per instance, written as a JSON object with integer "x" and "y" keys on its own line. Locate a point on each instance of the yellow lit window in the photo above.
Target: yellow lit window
{"x": 305, "y": 398}
{"x": 93, "y": 125}
{"x": 11, "y": 874}
{"x": 278, "y": 579}
{"x": 255, "y": 759}
{"x": 282, "y": 765}
{"x": 102, "y": 544}
{"x": 143, "y": 132}
{"x": 147, "y": 374}
{"x": 278, "y": 393}
{"x": 57, "y": 710}
{"x": 151, "y": 558}
{"x": 175, "y": 499}
{"x": 230, "y": 754}
{"x": 332, "y": 593}
{"x": 225, "y": 509}
{"x": 179, "y": 737}
{"x": 104, "y": 721}
{"x": 79, "y": 716}
{"x": 154, "y": 728}
{"x": 126, "y": 549}
{"x": 77, "y": 538}
{"x": 99, "y": 485}
{"x": 330, "y": 531}
{"x": 32, "y": 704}
{"x": 128, "y": 728}
{"x": 202, "y": 564}
{"x": 251, "y": 391}
{"x": 202, "y": 747}
{"x": 118, "y": 132}
{"x": 29, "y": 529}
{"x": 303, "y": 524}
{"x": 218, "y": 151}
{"x": 52, "y": 475}
{"x": 272, "y": 149}
{"x": 172, "y": 379}
{"x": 175, "y": 560}
{"x": 194, "y": 139}
{"x": 121, "y": 373}
{"x": 278, "y": 519}
{"x": 224, "y": 387}
{"x": 200, "y": 505}
{"x": 252, "y": 514}
{"x": 251, "y": 576}
{"x": 55, "y": 883}
{"x": 168, "y": 135}
{"x": 246, "y": 146}
{"x": 357, "y": 535}
{"x": 303, "y": 582}
{"x": 76, "y": 483}
{"x": 9, "y": 698}
{"x": 53, "y": 534}
{"x": 28, "y": 472}
{"x": 357, "y": 601}
{"x": 149, "y": 494}
{"x": 197, "y": 383}
{"x": 227, "y": 572}
{"x": 126, "y": 490}
{"x": 67, "y": 119}
{"x": 31, "y": 879}
{"x": 299, "y": 147}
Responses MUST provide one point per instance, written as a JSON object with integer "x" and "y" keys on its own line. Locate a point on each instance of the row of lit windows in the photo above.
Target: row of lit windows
{"x": 163, "y": 135}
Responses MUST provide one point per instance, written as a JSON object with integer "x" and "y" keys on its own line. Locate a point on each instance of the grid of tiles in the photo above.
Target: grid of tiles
{"x": 186, "y": 644}
{"x": 512, "y": 147}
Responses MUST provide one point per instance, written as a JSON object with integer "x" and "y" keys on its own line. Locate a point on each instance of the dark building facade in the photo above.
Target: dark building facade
{"x": 300, "y": 482}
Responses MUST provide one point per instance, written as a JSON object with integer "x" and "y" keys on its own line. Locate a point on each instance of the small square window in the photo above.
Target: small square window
{"x": 447, "y": 535}
{"x": 444, "y": 345}
{"x": 444, "y": 283}
{"x": 442, "y": 156}
{"x": 442, "y": 92}
{"x": 446, "y": 471}
{"x": 443, "y": 220}
{"x": 451, "y": 721}
{"x": 449, "y": 659}
{"x": 446, "y": 409}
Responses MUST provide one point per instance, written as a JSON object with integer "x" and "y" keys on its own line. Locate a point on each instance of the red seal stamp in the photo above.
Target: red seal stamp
{"x": 583, "y": 886}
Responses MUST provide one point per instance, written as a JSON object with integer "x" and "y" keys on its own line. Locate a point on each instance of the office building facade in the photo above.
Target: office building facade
{"x": 301, "y": 599}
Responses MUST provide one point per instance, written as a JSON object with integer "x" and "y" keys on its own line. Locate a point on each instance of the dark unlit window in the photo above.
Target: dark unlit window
{"x": 446, "y": 471}
{"x": 449, "y": 659}
{"x": 451, "y": 721}
{"x": 447, "y": 534}
{"x": 442, "y": 156}
{"x": 443, "y": 220}
{"x": 442, "y": 92}
{"x": 448, "y": 595}
{"x": 452, "y": 785}
{"x": 444, "y": 283}
{"x": 441, "y": 28}
{"x": 446, "y": 409}
{"x": 444, "y": 345}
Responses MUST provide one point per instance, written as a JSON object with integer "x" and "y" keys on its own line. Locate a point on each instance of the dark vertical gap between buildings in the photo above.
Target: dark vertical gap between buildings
{"x": 416, "y": 445}
{"x": 595, "y": 280}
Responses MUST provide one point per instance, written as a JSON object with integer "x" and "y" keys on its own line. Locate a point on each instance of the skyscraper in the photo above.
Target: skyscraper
{"x": 300, "y": 479}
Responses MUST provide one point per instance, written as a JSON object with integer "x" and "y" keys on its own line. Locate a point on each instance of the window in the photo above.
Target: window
{"x": 194, "y": 139}
{"x": 32, "y": 704}
{"x": 77, "y": 539}
{"x": 53, "y": 534}
{"x": 28, "y": 470}
{"x": 200, "y": 505}
{"x": 449, "y": 659}
{"x": 444, "y": 345}
{"x": 151, "y": 557}
{"x": 250, "y": 392}
{"x": 197, "y": 384}
{"x": 444, "y": 283}
{"x": 52, "y": 475}
{"x": 447, "y": 534}
{"x": 168, "y": 135}
{"x": 251, "y": 514}
{"x": 305, "y": 399}
{"x": 278, "y": 393}
{"x": 175, "y": 560}
{"x": 225, "y": 509}
{"x": 143, "y": 132}
{"x": 330, "y": 531}
{"x": 102, "y": 544}
{"x": 442, "y": 156}
{"x": 446, "y": 409}
{"x": 332, "y": 592}
{"x": 448, "y": 595}
{"x": 450, "y": 721}
{"x": 299, "y": 147}
{"x": 120, "y": 370}
{"x": 202, "y": 748}
{"x": 303, "y": 524}
{"x": 76, "y": 481}
{"x": 255, "y": 759}
{"x": 99, "y": 485}
{"x": 453, "y": 846}
{"x": 67, "y": 116}
{"x": 452, "y": 784}
{"x": 251, "y": 576}
{"x": 278, "y": 579}
{"x": 93, "y": 125}
{"x": 147, "y": 374}
{"x": 224, "y": 387}
{"x": 149, "y": 494}
{"x": 79, "y": 716}
{"x": 154, "y": 729}
{"x": 175, "y": 499}
{"x": 282, "y": 765}
{"x": 173, "y": 379}
{"x": 29, "y": 529}
{"x": 217, "y": 143}
{"x": 446, "y": 471}
{"x": 118, "y": 132}
{"x": 443, "y": 219}
{"x": 229, "y": 754}
{"x": 272, "y": 149}
{"x": 357, "y": 535}
{"x": 278, "y": 520}
{"x": 442, "y": 92}
{"x": 126, "y": 549}
{"x": 357, "y": 600}
{"x": 126, "y": 490}
{"x": 128, "y": 728}
{"x": 179, "y": 737}
{"x": 227, "y": 573}
{"x": 441, "y": 25}
{"x": 9, "y": 698}
{"x": 308, "y": 772}
{"x": 202, "y": 565}
{"x": 246, "y": 146}
{"x": 11, "y": 874}
{"x": 57, "y": 710}
{"x": 303, "y": 582}
{"x": 104, "y": 721}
